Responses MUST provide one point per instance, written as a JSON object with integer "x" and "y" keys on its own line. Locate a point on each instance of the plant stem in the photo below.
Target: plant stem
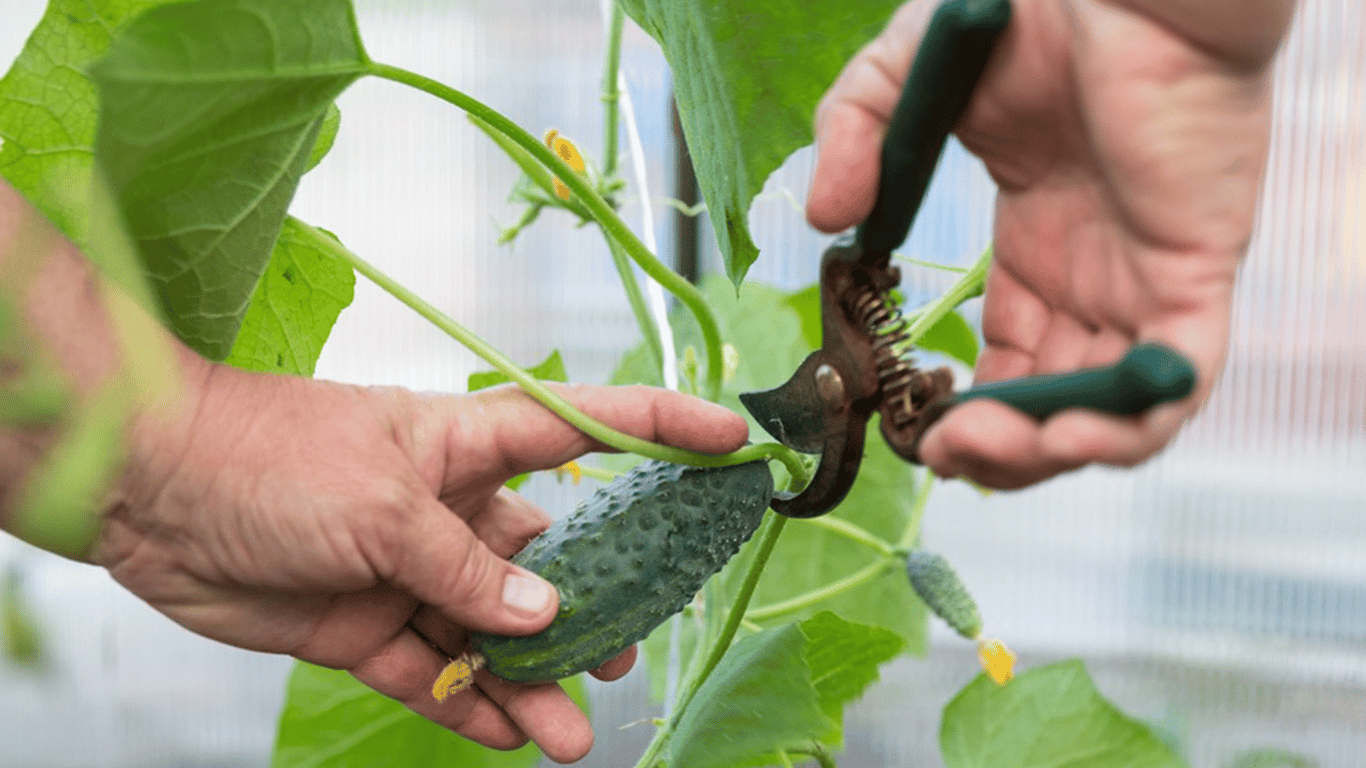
{"x": 821, "y": 756}
{"x": 768, "y": 539}
{"x": 547, "y": 397}
{"x": 598, "y": 208}
{"x": 611, "y": 93}
{"x": 930, "y": 264}
{"x": 853, "y": 580}
{"x": 891, "y": 556}
{"x": 967, "y": 287}
{"x": 922, "y": 496}
{"x": 644, "y": 320}
{"x": 852, "y": 532}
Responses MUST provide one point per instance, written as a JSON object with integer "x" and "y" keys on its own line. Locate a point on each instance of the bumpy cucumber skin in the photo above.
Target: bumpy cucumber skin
{"x": 939, "y": 587}
{"x": 627, "y": 559}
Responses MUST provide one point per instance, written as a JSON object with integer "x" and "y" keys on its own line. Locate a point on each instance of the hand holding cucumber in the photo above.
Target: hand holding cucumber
{"x": 1125, "y": 206}
{"x": 368, "y": 529}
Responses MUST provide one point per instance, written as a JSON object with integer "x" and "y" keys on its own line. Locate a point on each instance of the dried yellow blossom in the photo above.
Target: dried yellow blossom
{"x": 572, "y": 469}
{"x": 566, "y": 151}
{"x": 997, "y": 660}
{"x": 457, "y": 676}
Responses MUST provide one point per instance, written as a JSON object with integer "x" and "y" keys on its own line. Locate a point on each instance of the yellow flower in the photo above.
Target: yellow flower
{"x": 566, "y": 151}
{"x": 997, "y": 660}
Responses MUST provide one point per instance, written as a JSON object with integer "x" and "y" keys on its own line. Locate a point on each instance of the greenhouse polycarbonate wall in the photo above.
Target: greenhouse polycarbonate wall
{"x": 1219, "y": 592}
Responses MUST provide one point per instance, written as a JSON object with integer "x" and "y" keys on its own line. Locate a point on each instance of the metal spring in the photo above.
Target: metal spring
{"x": 881, "y": 317}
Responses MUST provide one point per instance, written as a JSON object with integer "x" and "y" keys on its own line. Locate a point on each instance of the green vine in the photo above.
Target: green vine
{"x": 597, "y": 207}
{"x": 791, "y": 460}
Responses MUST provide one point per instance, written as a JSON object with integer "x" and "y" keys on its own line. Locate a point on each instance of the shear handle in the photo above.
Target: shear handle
{"x": 1148, "y": 375}
{"x": 954, "y": 52}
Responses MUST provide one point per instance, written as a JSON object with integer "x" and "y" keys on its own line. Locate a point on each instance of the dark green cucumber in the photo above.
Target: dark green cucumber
{"x": 630, "y": 557}
{"x": 939, "y": 587}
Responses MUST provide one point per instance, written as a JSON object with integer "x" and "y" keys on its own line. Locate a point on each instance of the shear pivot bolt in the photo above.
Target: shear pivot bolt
{"x": 830, "y": 386}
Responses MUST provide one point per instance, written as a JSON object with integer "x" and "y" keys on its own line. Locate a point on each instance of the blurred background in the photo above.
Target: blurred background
{"x": 1218, "y": 592}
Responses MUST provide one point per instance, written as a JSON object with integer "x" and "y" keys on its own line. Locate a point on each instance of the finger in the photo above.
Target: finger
{"x": 617, "y": 667}
{"x": 991, "y": 443}
{"x": 354, "y": 625}
{"x": 440, "y": 561}
{"x": 1084, "y": 437}
{"x": 504, "y": 432}
{"x": 852, "y": 118}
{"x": 1002, "y": 448}
{"x": 545, "y": 713}
{"x": 508, "y": 522}
{"x": 442, "y": 634}
{"x": 405, "y": 668}
{"x": 506, "y": 525}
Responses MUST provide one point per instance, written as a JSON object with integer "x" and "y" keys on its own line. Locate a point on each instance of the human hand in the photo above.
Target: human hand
{"x": 343, "y": 525}
{"x": 1128, "y": 157}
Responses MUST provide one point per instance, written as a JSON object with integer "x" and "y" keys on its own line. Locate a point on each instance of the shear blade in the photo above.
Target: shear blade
{"x": 794, "y": 413}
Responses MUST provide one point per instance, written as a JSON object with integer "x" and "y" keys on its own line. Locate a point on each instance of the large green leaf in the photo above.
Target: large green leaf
{"x": 48, "y": 112}
{"x": 48, "y": 108}
{"x": 771, "y": 688}
{"x": 1051, "y": 717}
{"x": 758, "y": 700}
{"x": 295, "y": 303}
{"x": 209, "y": 113}
{"x": 843, "y": 658}
{"x": 747, "y": 76}
{"x": 331, "y": 721}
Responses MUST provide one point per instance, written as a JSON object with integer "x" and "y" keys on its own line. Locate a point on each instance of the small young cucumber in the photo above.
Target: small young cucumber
{"x": 941, "y": 589}
{"x": 630, "y": 557}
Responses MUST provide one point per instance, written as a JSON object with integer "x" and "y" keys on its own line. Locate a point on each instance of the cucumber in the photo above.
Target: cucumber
{"x": 628, "y": 558}
{"x": 939, "y": 587}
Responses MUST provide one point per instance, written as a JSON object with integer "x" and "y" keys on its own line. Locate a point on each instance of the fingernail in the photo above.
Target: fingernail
{"x": 525, "y": 593}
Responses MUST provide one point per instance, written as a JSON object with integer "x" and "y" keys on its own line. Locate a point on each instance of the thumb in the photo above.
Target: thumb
{"x": 445, "y": 565}
{"x": 852, "y": 118}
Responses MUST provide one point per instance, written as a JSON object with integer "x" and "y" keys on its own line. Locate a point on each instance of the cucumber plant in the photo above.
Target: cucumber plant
{"x": 176, "y": 97}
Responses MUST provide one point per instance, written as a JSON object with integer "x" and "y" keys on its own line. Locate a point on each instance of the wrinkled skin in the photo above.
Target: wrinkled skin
{"x": 1128, "y": 141}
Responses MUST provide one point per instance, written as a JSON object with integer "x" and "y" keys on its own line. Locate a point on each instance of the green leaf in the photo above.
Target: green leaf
{"x": 783, "y": 688}
{"x": 843, "y": 658}
{"x": 1051, "y": 717}
{"x": 327, "y": 136}
{"x": 549, "y": 369}
{"x": 209, "y": 113}
{"x": 295, "y": 304}
{"x": 807, "y": 304}
{"x": 331, "y": 721}
{"x": 953, "y": 336}
{"x": 48, "y": 108}
{"x": 758, "y": 700}
{"x": 747, "y": 76}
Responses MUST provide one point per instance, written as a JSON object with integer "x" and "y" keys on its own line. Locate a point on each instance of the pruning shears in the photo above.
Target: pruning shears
{"x": 863, "y": 365}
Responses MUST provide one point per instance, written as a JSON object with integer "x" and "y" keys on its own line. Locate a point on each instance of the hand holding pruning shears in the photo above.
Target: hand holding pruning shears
{"x": 1128, "y": 141}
